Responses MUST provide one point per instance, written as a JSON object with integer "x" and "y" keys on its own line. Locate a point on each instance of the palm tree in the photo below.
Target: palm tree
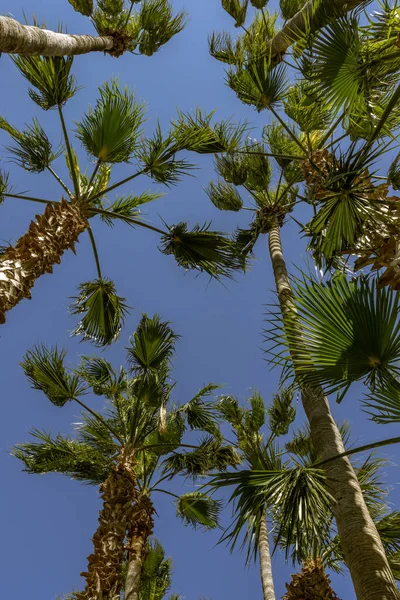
{"x": 324, "y": 108}
{"x": 111, "y": 134}
{"x": 122, "y": 449}
{"x": 119, "y": 30}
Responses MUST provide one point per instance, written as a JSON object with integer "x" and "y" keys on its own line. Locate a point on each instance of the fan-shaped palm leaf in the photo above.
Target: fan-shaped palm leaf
{"x": 224, "y": 196}
{"x": 198, "y": 510}
{"x": 104, "y": 311}
{"x": 46, "y": 372}
{"x": 201, "y": 414}
{"x": 258, "y": 84}
{"x": 152, "y": 345}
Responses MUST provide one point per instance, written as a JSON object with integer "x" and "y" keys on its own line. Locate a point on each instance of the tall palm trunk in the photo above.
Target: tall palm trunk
{"x": 265, "y": 561}
{"x": 104, "y": 574}
{"x": 36, "y": 252}
{"x": 34, "y": 41}
{"x": 311, "y": 584}
{"x": 359, "y": 539}
{"x": 140, "y": 531}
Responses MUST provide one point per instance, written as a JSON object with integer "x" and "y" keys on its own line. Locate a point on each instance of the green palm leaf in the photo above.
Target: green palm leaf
{"x": 51, "y": 76}
{"x": 127, "y": 207}
{"x": 85, "y": 7}
{"x": 202, "y": 250}
{"x": 281, "y": 413}
{"x": 198, "y": 510}
{"x": 343, "y": 332}
{"x": 110, "y": 131}
{"x": 258, "y": 84}
{"x": 383, "y": 405}
{"x": 152, "y": 345}
{"x": 46, "y": 372}
{"x": 201, "y": 414}
{"x": 224, "y": 196}
{"x": 33, "y": 150}
{"x": 104, "y": 312}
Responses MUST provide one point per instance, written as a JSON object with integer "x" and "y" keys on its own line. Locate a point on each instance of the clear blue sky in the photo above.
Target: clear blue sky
{"x": 47, "y": 522}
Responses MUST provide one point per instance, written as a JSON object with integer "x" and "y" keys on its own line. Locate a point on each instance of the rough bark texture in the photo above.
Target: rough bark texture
{"x": 140, "y": 531}
{"x": 360, "y": 541}
{"x": 104, "y": 574}
{"x": 265, "y": 562}
{"x": 307, "y": 17}
{"x": 36, "y": 252}
{"x": 311, "y": 584}
{"x": 34, "y": 41}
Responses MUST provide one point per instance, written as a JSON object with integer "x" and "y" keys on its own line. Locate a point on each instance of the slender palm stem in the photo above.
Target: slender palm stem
{"x": 114, "y": 215}
{"x": 95, "y": 252}
{"x": 288, "y": 130}
{"x": 30, "y": 198}
{"x": 69, "y": 152}
{"x": 60, "y": 181}
{"x": 371, "y": 446}
{"x": 331, "y": 130}
{"x": 98, "y": 417}
{"x": 283, "y": 156}
{"x": 165, "y": 492}
{"x": 96, "y": 168}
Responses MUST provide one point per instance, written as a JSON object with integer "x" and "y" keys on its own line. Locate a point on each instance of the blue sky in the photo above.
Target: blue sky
{"x": 47, "y": 521}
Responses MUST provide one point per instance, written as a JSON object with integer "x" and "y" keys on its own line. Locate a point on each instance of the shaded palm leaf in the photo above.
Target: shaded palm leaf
{"x": 46, "y": 372}
{"x": 281, "y": 413}
{"x": 51, "y": 76}
{"x": 85, "y": 7}
{"x": 258, "y": 84}
{"x": 98, "y": 373}
{"x": 223, "y": 48}
{"x": 198, "y": 510}
{"x": 110, "y": 131}
{"x": 305, "y": 107}
{"x": 155, "y": 579}
{"x": 104, "y": 312}
{"x": 63, "y": 455}
{"x": 201, "y": 414}
{"x": 224, "y": 196}
{"x": 202, "y": 250}
{"x": 152, "y": 345}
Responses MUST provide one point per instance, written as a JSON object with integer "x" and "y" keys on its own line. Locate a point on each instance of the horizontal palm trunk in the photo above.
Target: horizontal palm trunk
{"x": 36, "y": 252}
{"x": 265, "y": 561}
{"x": 311, "y": 584}
{"x": 104, "y": 574}
{"x": 359, "y": 539}
{"x": 139, "y": 532}
{"x": 34, "y": 41}
{"x": 312, "y": 16}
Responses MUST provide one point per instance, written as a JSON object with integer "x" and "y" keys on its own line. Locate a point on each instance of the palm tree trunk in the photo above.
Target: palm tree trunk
{"x": 104, "y": 574}
{"x": 311, "y": 584}
{"x": 265, "y": 561}
{"x": 34, "y": 41}
{"x": 36, "y": 252}
{"x": 140, "y": 531}
{"x": 359, "y": 539}
{"x": 308, "y": 17}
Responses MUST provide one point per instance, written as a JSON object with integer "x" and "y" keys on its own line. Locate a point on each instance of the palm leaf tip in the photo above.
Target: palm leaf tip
{"x": 46, "y": 372}
{"x": 104, "y": 312}
{"x": 203, "y": 250}
{"x": 198, "y": 510}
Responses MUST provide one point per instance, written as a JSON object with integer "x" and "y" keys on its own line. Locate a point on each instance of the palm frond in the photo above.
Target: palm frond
{"x": 383, "y": 405}
{"x": 307, "y": 109}
{"x": 51, "y": 76}
{"x": 202, "y": 250}
{"x": 63, "y": 455}
{"x": 158, "y": 25}
{"x": 152, "y": 345}
{"x": 4, "y": 185}
{"x": 127, "y": 206}
{"x": 45, "y": 370}
{"x": 104, "y": 312}
{"x": 237, "y": 9}
{"x": 259, "y": 84}
{"x": 201, "y": 414}
{"x": 110, "y": 131}
{"x": 224, "y": 196}
{"x": 85, "y": 7}
{"x": 198, "y": 510}
{"x": 343, "y": 332}
{"x": 223, "y": 48}
{"x": 281, "y": 413}
{"x": 100, "y": 375}
{"x": 155, "y": 579}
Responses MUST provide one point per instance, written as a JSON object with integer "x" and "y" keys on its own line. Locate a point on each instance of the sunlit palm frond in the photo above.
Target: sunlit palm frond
{"x": 344, "y": 332}
{"x": 151, "y": 346}
{"x": 198, "y": 510}
{"x": 281, "y": 413}
{"x": 155, "y": 579}
{"x": 99, "y": 374}
{"x": 158, "y": 25}
{"x": 45, "y": 370}
{"x": 383, "y": 405}
{"x": 258, "y": 84}
{"x": 224, "y": 48}
{"x": 126, "y": 207}
{"x": 63, "y": 455}
{"x": 110, "y": 131}
{"x": 237, "y": 9}
{"x": 102, "y": 309}
{"x": 202, "y": 250}
{"x": 51, "y": 76}
{"x": 210, "y": 455}
{"x": 307, "y": 108}
{"x": 33, "y": 150}
{"x": 290, "y": 7}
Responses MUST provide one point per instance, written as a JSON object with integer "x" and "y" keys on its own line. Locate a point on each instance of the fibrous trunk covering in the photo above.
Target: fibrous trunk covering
{"x": 139, "y": 532}
{"x": 311, "y": 584}
{"x": 36, "y": 252}
{"x": 104, "y": 574}
{"x": 362, "y": 547}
